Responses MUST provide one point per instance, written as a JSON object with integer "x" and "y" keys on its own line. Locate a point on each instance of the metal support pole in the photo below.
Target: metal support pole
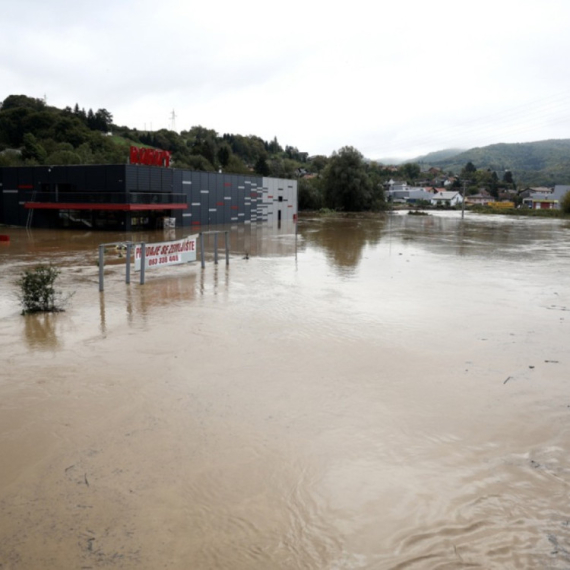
{"x": 143, "y": 261}
{"x": 202, "y": 258}
{"x": 216, "y": 248}
{"x": 227, "y": 248}
{"x": 128, "y": 265}
{"x": 463, "y": 200}
{"x": 101, "y": 267}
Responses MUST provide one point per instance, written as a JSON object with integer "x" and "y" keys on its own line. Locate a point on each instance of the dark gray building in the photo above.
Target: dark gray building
{"x": 130, "y": 197}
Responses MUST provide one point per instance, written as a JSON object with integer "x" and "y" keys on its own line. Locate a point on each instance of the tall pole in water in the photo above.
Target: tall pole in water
{"x": 463, "y": 200}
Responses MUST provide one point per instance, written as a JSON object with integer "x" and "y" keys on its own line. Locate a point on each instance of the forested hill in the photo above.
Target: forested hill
{"x": 34, "y": 133}
{"x": 543, "y": 163}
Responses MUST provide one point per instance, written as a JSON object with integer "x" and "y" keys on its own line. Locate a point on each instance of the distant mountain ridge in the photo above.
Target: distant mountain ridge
{"x": 438, "y": 155}
{"x": 540, "y": 163}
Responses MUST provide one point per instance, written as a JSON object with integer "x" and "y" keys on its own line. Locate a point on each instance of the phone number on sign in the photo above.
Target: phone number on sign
{"x": 164, "y": 259}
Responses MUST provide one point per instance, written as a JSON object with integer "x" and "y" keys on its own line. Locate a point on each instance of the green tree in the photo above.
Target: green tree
{"x": 346, "y": 184}
{"x": 13, "y": 125}
{"x": 282, "y": 168}
{"x": 90, "y": 121}
{"x": 318, "y": 163}
{"x": 468, "y": 171}
{"x": 224, "y": 153}
{"x": 41, "y": 123}
{"x": 310, "y": 194}
{"x": 22, "y": 101}
{"x": 274, "y": 147}
{"x": 236, "y": 165}
{"x": 63, "y": 157}
{"x": 261, "y": 167}
{"x": 103, "y": 120}
{"x": 565, "y": 203}
{"x": 11, "y": 158}
{"x": 33, "y": 150}
{"x": 71, "y": 130}
{"x": 410, "y": 171}
{"x": 207, "y": 149}
{"x": 197, "y": 162}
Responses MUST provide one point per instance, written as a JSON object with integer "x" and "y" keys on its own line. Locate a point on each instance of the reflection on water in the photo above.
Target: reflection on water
{"x": 343, "y": 240}
{"x": 384, "y": 393}
{"x": 40, "y": 330}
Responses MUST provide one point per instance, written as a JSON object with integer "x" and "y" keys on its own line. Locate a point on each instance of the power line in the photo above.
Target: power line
{"x": 526, "y": 116}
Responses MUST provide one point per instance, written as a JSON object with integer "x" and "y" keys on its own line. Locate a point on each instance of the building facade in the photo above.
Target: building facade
{"x": 545, "y": 200}
{"x": 130, "y": 197}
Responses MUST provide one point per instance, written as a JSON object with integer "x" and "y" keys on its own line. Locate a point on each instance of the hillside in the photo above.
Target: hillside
{"x": 33, "y": 133}
{"x": 542, "y": 163}
{"x": 438, "y": 156}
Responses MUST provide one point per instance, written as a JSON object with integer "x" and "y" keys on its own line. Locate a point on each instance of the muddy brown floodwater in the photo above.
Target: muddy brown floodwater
{"x": 377, "y": 394}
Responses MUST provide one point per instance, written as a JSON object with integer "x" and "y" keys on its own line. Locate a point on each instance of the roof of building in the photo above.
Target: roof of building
{"x": 446, "y": 195}
{"x": 560, "y": 190}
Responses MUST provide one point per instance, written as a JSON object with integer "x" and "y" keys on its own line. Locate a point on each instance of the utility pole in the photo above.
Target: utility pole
{"x": 463, "y": 199}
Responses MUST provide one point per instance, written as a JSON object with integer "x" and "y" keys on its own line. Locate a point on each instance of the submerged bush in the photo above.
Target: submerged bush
{"x": 37, "y": 291}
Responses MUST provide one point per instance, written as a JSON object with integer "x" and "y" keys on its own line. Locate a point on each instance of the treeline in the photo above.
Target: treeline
{"x": 479, "y": 179}
{"x": 33, "y": 133}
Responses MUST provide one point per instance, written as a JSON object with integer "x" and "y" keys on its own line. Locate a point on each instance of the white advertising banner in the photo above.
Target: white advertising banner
{"x": 167, "y": 253}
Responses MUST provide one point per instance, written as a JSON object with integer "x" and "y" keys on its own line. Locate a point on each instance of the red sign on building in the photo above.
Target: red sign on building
{"x": 150, "y": 156}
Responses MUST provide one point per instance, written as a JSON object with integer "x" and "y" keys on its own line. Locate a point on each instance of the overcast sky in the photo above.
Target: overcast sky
{"x": 393, "y": 79}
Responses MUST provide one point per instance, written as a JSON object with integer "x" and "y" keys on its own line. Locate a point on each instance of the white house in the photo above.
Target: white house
{"x": 447, "y": 198}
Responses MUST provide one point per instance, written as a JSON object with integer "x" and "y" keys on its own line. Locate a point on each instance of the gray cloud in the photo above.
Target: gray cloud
{"x": 397, "y": 79}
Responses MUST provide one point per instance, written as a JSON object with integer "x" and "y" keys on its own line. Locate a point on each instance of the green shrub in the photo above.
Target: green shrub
{"x": 37, "y": 291}
{"x": 565, "y": 203}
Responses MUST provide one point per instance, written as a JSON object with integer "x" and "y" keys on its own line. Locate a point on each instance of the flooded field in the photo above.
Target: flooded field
{"x": 359, "y": 394}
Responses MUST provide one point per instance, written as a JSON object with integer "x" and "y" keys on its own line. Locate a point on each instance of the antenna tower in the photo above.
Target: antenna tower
{"x": 173, "y": 121}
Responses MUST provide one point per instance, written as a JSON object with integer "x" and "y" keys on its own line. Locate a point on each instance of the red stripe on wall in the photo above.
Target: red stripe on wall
{"x": 123, "y": 207}
{"x": 25, "y": 186}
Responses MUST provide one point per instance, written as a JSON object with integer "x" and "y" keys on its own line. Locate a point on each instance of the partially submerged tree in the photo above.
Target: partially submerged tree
{"x": 346, "y": 183}
{"x": 37, "y": 290}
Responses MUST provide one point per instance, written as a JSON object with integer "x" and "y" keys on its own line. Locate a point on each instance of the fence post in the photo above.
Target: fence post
{"x": 202, "y": 250}
{"x": 227, "y": 248}
{"x": 101, "y": 267}
{"x": 143, "y": 261}
{"x": 128, "y": 265}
